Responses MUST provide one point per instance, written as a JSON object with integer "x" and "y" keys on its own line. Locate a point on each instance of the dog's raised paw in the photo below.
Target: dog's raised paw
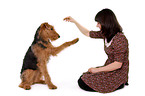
{"x": 75, "y": 40}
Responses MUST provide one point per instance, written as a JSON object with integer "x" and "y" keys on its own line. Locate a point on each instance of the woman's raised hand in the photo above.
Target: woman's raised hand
{"x": 80, "y": 27}
{"x": 69, "y": 19}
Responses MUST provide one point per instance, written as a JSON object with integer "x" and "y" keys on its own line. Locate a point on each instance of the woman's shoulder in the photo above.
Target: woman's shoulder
{"x": 120, "y": 39}
{"x": 119, "y": 36}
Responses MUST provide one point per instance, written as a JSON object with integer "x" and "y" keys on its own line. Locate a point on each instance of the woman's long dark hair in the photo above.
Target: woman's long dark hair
{"x": 109, "y": 23}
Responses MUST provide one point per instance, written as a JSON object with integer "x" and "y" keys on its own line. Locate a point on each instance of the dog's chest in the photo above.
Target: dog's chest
{"x": 41, "y": 53}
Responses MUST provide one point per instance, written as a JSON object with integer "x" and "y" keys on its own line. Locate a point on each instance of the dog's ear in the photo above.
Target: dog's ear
{"x": 44, "y": 26}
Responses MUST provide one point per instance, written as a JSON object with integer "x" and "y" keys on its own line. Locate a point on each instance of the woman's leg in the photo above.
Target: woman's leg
{"x": 84, "y": 86}
{"x": 122, "y": 86}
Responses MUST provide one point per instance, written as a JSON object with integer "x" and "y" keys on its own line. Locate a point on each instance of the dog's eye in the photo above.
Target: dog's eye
{"x": 51, "y": 28}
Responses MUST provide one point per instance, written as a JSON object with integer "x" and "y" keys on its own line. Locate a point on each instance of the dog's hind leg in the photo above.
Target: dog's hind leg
{"x": 27, "y": 79}
{"x": 38, "y": 78}
{"x": 43, "y": 69}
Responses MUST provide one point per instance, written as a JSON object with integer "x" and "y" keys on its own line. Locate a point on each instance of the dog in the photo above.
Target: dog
{"x": 37, "y": 56}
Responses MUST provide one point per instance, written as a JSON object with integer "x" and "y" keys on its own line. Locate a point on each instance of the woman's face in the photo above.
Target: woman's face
{"x": 98, "y": 25}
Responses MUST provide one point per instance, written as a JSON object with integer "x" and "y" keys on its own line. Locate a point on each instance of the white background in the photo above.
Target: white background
{"x": 20, "y": 19}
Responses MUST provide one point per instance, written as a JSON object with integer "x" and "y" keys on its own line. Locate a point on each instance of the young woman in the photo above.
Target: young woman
{"x": 114, "y": 74}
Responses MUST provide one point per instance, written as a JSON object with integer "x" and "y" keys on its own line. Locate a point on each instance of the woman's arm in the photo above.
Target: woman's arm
{"x": 111, "y": 67}
{"x": 80, "y": 27}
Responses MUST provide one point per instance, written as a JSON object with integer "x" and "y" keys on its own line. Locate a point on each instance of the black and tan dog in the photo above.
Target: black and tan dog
{"x": 37, "y": 56}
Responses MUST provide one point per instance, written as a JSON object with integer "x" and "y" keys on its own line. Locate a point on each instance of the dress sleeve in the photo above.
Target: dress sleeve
{"x": 96, "y": 34}
{"x": 120, "y": 45}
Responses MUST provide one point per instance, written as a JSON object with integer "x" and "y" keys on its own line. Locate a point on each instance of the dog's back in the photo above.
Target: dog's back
{"x": 29, "y": 61}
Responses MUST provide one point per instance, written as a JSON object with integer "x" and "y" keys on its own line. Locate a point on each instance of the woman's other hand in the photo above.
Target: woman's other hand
{"x": 92, "y": 70}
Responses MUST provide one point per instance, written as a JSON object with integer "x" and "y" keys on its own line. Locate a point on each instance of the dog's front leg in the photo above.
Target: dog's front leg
{"x": 43, "y": 69}
{"x": 56, "y": 50}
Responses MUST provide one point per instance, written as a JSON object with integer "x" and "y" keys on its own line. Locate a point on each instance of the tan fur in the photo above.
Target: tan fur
{"x": 29, "y": 76}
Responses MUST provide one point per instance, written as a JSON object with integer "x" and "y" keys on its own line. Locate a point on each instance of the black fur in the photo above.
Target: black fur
{"x": 42, "y": 46}
{"x": 36, "y": 39}
{"x": 29, "y": 61}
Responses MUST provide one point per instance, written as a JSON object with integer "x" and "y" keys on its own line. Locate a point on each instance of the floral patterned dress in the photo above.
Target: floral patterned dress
{"x": 105, "y": 82}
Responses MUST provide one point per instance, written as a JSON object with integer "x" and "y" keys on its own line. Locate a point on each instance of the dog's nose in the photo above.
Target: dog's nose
{"x": 58, "y": 36}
